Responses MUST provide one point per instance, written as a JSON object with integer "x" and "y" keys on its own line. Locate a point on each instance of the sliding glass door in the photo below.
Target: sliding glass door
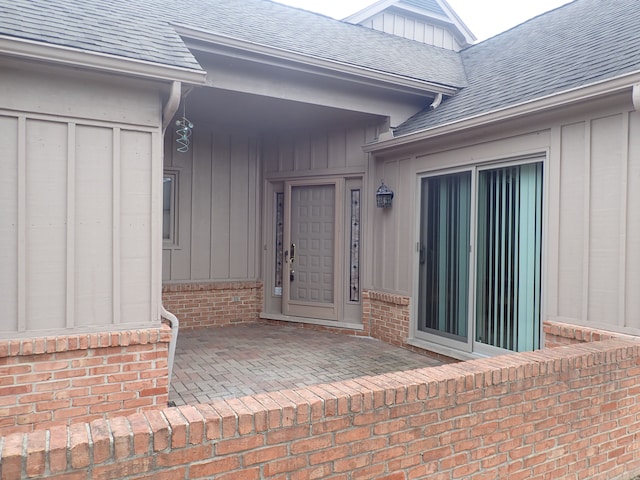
{"x": 480, "y": 255}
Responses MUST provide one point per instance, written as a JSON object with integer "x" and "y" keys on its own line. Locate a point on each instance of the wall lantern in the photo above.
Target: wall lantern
{"x": 384, "y": 196}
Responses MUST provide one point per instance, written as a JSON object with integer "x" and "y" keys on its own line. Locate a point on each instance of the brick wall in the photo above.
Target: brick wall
{"x": 201, "y": 305}
{"x": 388, "y": 316}
{"x": 557, "y": 334}
{"x": 62, "y": 380}
{"x": 569, "y": 412}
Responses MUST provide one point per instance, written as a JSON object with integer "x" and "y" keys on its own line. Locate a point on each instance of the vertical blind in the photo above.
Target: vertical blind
{"x": 444, "y": 255}
{"x": 509, "y": 232}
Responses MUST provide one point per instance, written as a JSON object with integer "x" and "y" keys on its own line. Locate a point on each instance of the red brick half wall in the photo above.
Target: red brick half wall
{"x": 50, "y": 381}
{"x": 568, "y": 412}
{"x": 387, "y": 316}
{"x": 213, "y": 304}
{"x": 557, "y": 334}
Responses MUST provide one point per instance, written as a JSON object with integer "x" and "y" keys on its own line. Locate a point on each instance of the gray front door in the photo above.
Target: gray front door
{"x": 311, "y": 250}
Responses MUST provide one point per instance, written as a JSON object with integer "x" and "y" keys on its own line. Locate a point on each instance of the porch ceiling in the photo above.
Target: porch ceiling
{"x": 261, "y": 114}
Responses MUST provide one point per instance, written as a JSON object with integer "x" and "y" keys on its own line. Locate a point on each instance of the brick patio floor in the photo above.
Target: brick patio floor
{"x": 255, "y": 358}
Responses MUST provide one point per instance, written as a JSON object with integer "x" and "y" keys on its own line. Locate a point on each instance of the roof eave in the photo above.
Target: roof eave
{"x": 278, "y": 56}
{"x": 57, "y": 54}
{"x": 548, "y": 102}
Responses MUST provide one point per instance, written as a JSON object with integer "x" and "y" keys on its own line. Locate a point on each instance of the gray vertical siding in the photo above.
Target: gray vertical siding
{"x": 76, "y": 223}
{"x": 220, "y": 230}
{"x": 592, "y": 224}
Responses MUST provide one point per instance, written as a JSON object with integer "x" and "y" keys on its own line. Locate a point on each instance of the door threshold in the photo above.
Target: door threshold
{"x": 311, "y": 321}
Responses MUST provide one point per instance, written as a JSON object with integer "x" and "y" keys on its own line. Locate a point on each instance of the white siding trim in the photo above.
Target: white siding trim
{"x": 71, "y": 224}
{"x": 553, "y": 182}
{"x": 624, "y": 198}
{"x": 156, "y": 224}
{"x": 116, "y": 259}
{"x": 22, "y": 223}
{"x": 586, "y": 245}
{"x": 212, "y": 264}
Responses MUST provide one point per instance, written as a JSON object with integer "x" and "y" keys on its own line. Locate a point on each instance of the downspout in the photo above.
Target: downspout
{"x": 175, "y": 325}
{"x": 168, "y": 112}
{"x": 436, "y": 102}
{"x": 636, "y": 97}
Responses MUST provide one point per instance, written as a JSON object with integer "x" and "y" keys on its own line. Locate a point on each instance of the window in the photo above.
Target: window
{"x": 354, "y": 246}
{"x": 169, "y": 206}
{"x": 489, "y": 299}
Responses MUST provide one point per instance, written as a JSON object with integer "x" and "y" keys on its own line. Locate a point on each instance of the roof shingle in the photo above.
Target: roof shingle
{"x": 580, "y": 43}
{"x": 142, "y": 29}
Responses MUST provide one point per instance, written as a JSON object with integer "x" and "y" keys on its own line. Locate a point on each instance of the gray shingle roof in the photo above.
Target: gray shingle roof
{"x": 142, "y": 29}
{"x": 279, "y": 26}
{"x": 103, "y": 26}
{"x": 574, "y": 45}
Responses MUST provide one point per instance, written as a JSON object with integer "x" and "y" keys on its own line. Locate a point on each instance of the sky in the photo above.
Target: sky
{"x": 485, "y": 18}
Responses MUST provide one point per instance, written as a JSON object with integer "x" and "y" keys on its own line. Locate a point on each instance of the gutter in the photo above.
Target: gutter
{"x": 168, "y": 112}
{"x": 58, "y": 54}
{"x": 564, "y": 98}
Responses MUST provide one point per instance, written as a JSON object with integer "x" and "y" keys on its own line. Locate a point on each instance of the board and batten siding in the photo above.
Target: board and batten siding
{"x": 77, "y": 218}
{"x": 414, "y": 29}
{"x": 217, "y": 221}
{"x": 219, "y": 195}
{"x": 598, "y": 271}
{"x": 592, "y": 227}
{"x": 318, "y": 153}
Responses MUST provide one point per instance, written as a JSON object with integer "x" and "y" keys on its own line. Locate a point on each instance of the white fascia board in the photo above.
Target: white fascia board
{"x": 368, "y": 12}
{"x": 378, "y": 7}
{"x": 28, "y": 49}
{"x": 470, "y": 37}
{"x": 303, "y": 62}
{"x": 560, "y": 99}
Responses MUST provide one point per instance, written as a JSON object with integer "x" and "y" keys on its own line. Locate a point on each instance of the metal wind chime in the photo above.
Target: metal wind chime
{"x": 183, "y": 132}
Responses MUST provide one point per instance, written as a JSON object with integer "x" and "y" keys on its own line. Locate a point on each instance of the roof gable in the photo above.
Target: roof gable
{"x": 435, "y": 12}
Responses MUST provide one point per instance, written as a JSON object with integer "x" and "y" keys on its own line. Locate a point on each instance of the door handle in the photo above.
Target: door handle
{"x": 293, "y": 253}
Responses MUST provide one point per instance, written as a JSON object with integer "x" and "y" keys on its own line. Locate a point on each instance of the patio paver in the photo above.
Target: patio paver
{"x": 254, "y": 358}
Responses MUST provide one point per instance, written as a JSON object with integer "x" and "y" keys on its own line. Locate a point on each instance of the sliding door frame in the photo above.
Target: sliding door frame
{"x": 471, "y": 346}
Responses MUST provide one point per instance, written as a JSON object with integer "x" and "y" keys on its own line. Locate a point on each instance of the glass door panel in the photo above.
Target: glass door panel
{"x": 443, "y": 306}
{"x": 509, "y": 239}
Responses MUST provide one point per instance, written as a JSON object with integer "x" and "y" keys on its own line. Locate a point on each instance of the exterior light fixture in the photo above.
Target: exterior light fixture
{"x": 384, "y": 196}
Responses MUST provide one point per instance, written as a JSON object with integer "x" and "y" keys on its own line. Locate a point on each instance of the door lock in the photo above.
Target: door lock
{"x": 290, "y": 258}
{"x": 293, "y": 253}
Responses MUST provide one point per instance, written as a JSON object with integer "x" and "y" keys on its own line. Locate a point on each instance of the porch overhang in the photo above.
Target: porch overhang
{"x": 241, "y": 66}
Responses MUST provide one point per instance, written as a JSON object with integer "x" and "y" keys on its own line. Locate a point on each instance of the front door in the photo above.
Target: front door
{"x": 312, "y": 250}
